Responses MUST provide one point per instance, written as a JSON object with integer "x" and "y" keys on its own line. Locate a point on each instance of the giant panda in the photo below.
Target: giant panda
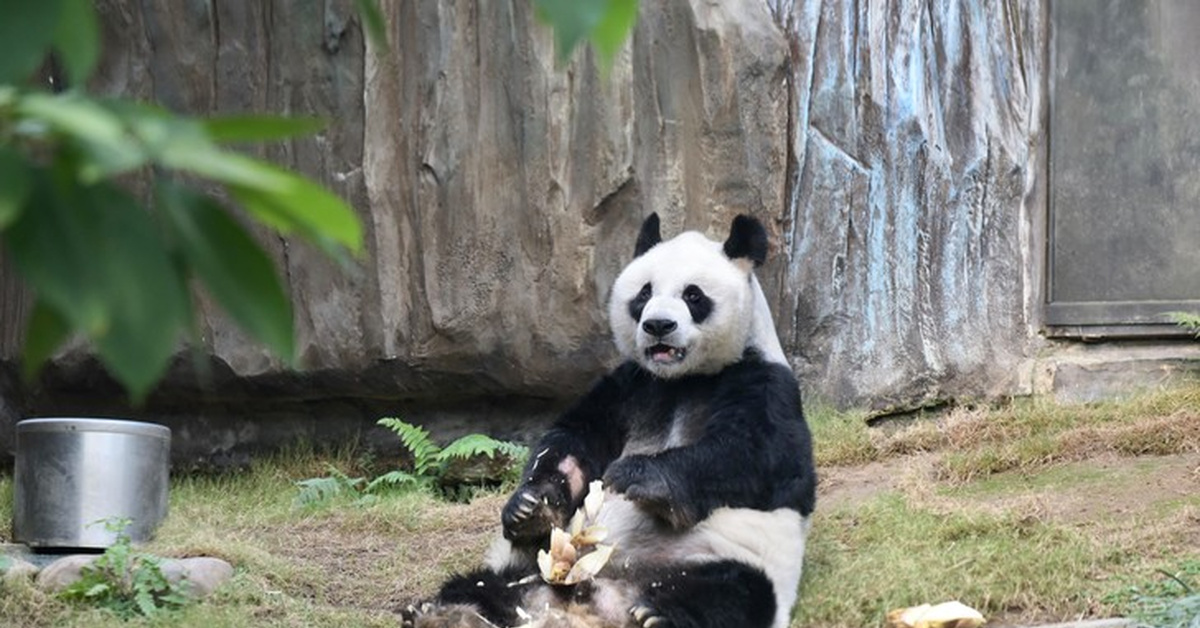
{"x": 703, "y": 450}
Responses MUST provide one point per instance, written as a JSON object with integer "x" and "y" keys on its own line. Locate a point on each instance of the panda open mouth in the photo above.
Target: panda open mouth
{"x": 665, "y": 354}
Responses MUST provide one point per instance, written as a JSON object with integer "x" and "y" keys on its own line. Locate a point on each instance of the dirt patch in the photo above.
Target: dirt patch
{"x": 390, "y": 566}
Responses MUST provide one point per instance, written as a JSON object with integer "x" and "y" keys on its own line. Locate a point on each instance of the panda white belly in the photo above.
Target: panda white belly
{"x": 771, "y": 541}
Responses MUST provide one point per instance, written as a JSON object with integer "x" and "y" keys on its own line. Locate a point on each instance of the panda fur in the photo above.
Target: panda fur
{"x": 701, "y": 443}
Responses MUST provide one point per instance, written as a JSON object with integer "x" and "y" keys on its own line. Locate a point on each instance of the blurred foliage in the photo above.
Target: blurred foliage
{"x": 120, "y": 271}
{"x": 605, "y": 24}
{"x": 106, "y": 265}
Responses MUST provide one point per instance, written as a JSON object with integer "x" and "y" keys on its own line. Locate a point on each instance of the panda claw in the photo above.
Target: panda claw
{"x": 645, "y": 617}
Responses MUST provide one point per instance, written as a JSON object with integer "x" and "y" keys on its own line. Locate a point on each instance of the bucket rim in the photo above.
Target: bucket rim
{"x": 93, "y": 424}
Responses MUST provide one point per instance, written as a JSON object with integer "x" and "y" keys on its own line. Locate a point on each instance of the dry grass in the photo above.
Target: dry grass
{"x": 1030, "y": 512}
{"x": 1025, "y": 435}
{"x": 344, "y": 564}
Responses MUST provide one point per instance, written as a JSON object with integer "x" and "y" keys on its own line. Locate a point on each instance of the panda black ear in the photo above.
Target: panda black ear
{"x": 747, "y": 239}
{"x": 648, "y": 236}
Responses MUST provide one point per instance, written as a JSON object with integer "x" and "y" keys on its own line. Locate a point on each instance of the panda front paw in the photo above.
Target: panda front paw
{"x": 647, "y": 617}
{"x": 643, "y": 482}
{"x": 531, "y": 512}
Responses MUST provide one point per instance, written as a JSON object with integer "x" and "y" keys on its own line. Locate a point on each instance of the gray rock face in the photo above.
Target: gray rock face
{"x": 890, "y": 148}
{"x": 910, "y": 227}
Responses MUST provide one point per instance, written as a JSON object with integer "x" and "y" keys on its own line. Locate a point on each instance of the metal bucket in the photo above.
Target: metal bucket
{"x": 77, "y": 479}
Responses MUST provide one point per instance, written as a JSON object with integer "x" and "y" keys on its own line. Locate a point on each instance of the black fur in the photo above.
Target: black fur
{"x": 746, "y": 445}
{"x": 492, "y": 594}
{"x": 707, "y": 595}
{"x": 747, "y": 239}
{"x": 752, "y": 447}
{"x": 639, "y": 302}
{"x": 698, "y": 303}
{"x": 648, "y": 236}
{"x": 736, "y": 438}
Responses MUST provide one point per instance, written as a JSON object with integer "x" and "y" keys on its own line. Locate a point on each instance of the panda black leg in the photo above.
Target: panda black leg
{"x": 709, "y": 595}
{"x": 484, "y": 593}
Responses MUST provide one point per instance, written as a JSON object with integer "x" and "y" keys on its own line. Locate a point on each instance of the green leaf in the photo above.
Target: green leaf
{"x": 46, "y": 330}
{"x": 259, "y": 128}
{"x": 96, "y": 259}
{"x": 99, "y": 132}
{"x": 96, "y": 590}
{"x": 279, "y": 199}
{"x": 375, "y": 25}
{"x": 613, "y": 29}
{"x": 77, "y": 39}
{"x": 300, "y": 203}
{"x": 15, "y": 185}
{"x": 606, "y": 23}
{"x": 234, "y": 268}
{"x": 146, "y": 295}
{"x": 52, "y": 249}
{"x": 145, "y": 602}
{"x": 475, "y": 445}
{"x": 26, "y": 32}
{"x": 394, "y": 479}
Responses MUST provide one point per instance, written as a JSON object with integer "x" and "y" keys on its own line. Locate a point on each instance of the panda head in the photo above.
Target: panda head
{"x": 685, "y": 306}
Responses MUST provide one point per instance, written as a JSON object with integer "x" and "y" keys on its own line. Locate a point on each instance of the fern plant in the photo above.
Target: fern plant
{"x": 315, "y": 491}
{"x": 432, "y": 461}
{"x": 433, "y": 468}
{"x": 125, "y": 581}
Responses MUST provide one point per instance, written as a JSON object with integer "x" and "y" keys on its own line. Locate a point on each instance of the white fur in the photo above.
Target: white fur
{"x": 772, "y": 541}
{"x": 669, "y": 267}
{"x": 762, "y": 328}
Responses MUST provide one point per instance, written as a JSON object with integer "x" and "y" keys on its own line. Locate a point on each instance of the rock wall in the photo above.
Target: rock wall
{"x": 909, "y": 232}
{"x": 890, "y": 147}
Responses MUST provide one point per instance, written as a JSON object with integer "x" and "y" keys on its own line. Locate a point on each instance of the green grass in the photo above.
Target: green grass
{"x": 963, "y": 523}
{"x": 339, "y": 565}
{"x": 889, "y": 553}
{"x": 840, "y": 438}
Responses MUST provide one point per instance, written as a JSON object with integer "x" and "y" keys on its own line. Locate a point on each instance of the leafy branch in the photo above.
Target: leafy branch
{"x": 105, "y": 265}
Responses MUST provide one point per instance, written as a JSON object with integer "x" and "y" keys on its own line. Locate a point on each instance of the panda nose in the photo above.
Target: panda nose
{"x": 659, "y": 327}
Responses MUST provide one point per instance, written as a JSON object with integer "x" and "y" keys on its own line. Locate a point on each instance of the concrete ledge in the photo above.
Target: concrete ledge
{"x": 1078, "y": 372}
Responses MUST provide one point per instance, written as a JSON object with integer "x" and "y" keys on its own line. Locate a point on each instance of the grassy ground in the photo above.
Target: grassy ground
{"x": 1029, "y": 512}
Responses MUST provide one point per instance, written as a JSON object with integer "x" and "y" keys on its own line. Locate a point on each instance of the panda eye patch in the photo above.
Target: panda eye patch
{"x": 697, "y": 303}
{"x": 639, "y": 302}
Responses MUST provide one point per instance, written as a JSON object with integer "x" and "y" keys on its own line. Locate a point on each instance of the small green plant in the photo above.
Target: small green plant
{"x": 446, "y": 471}
{"x": 1169, "y": 601}
{"x": 317, "y": 491}
{"x": 125, "y": 581}
{"x": 432, "y": 462}
{"x": 1186, "y": 320}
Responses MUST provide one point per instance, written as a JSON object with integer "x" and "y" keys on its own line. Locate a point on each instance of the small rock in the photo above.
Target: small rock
{"x": 204, "y": 574}
{"x": 63, "y": 572}
{"x": 13, "y": 569}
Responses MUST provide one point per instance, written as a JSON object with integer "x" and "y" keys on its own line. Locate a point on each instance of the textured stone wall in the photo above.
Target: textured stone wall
{"x": 890, "y": 147}
{"x": 909, "y": 232}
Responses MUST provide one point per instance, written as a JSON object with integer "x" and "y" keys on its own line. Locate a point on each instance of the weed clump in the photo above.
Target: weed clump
{"x": 127, "y": 582}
